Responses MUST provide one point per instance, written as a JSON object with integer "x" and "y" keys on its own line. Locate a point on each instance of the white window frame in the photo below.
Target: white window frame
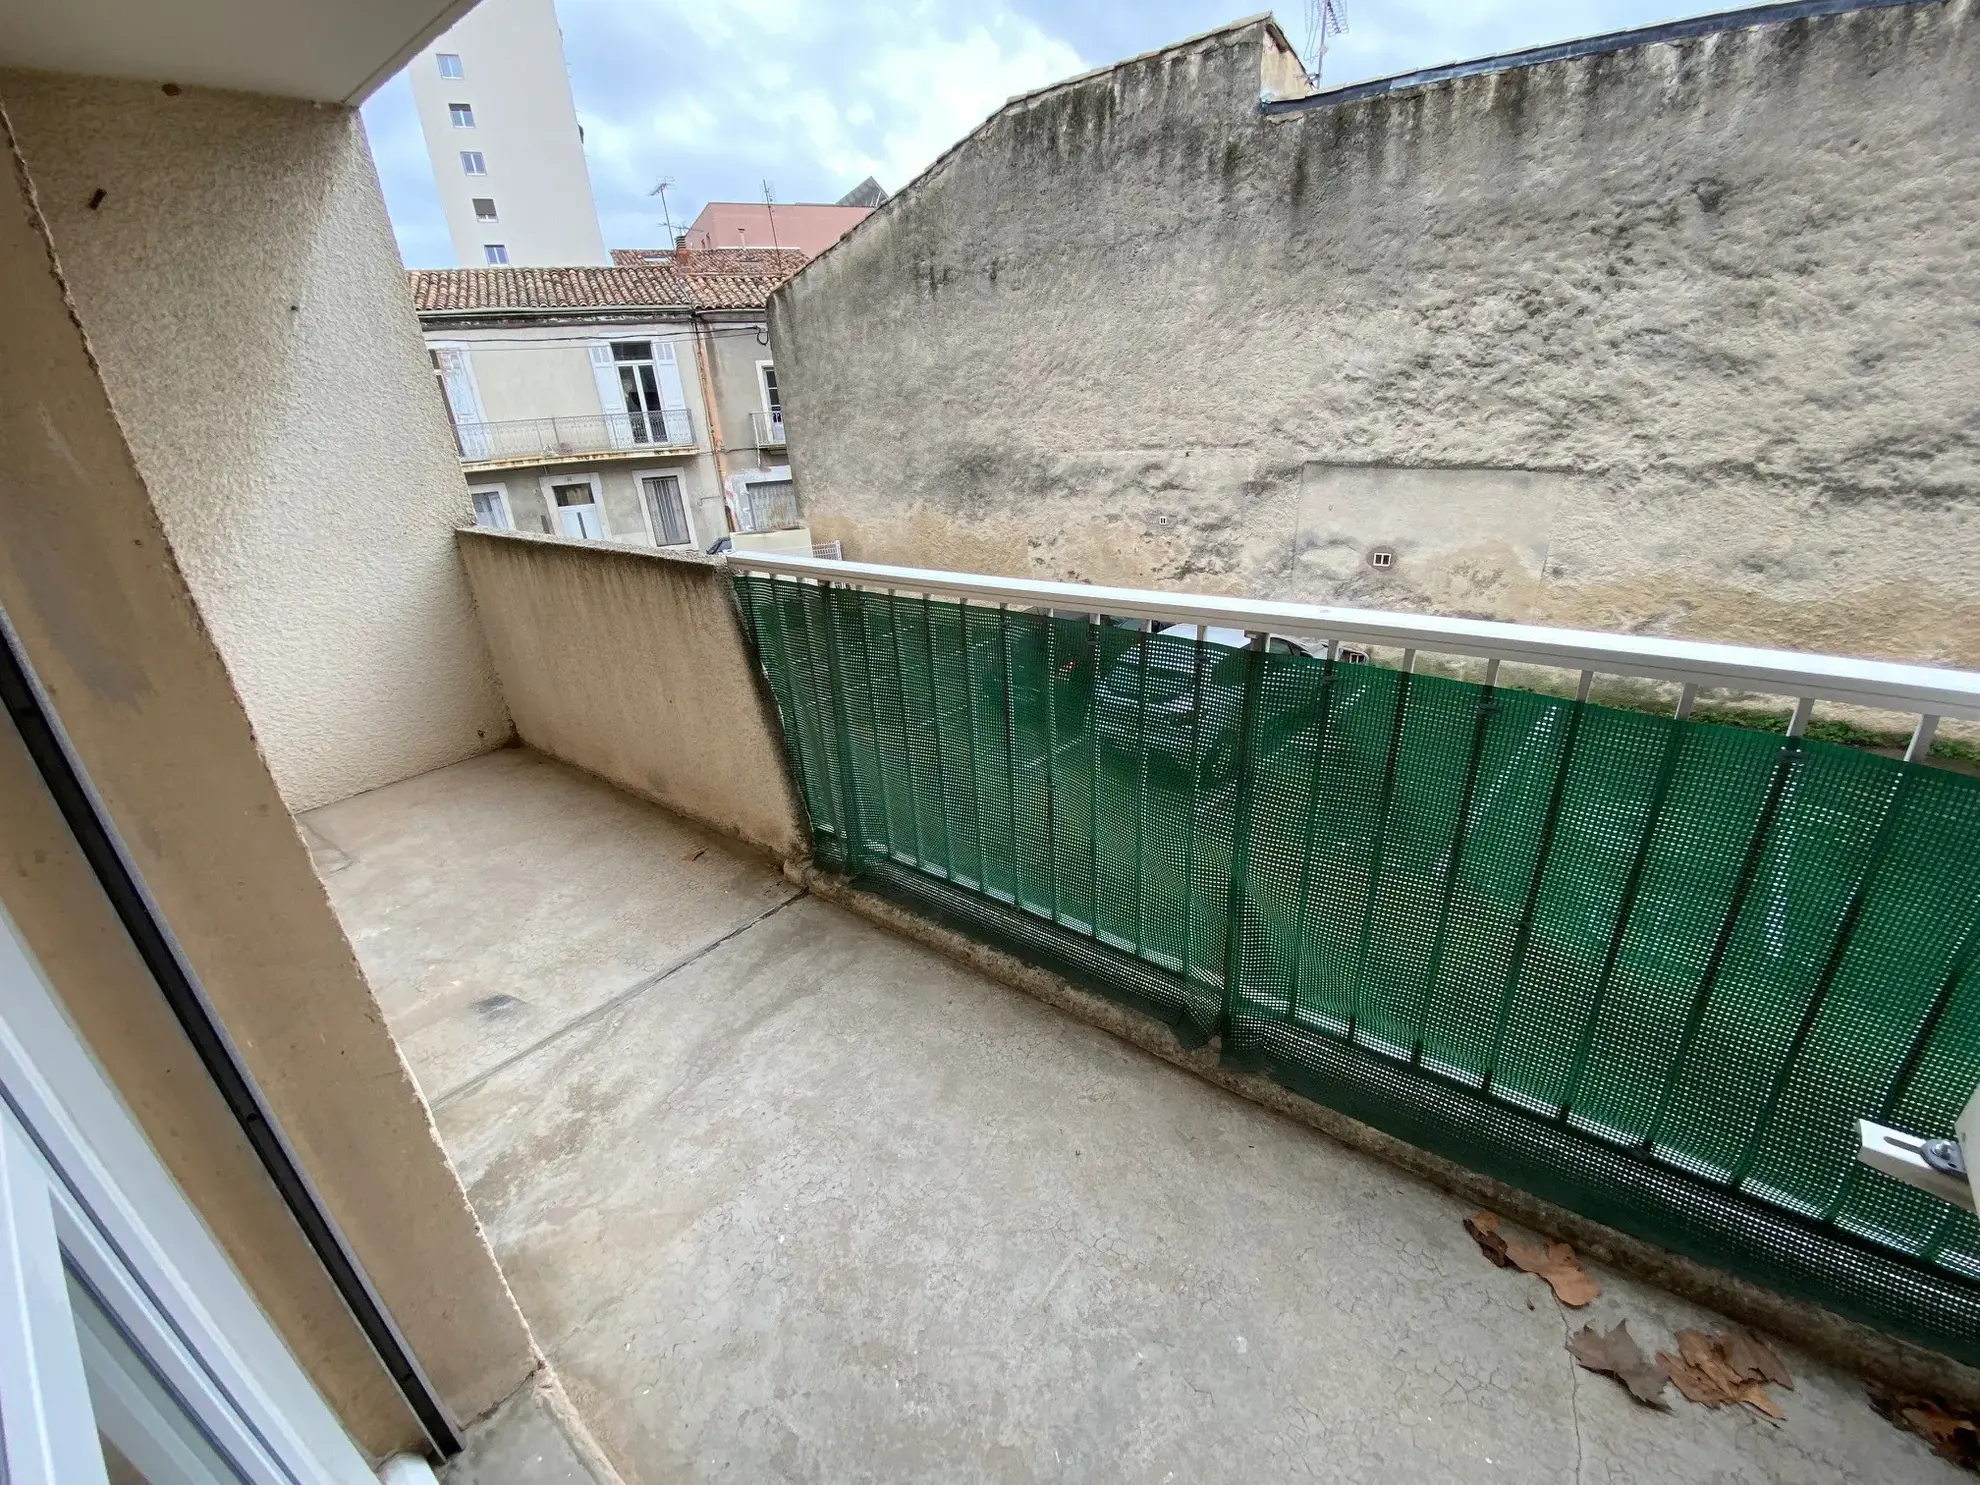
{"x": 501, "y": 493}
{"x": 687, "y": 508}
{"x": 80, "y": 1185}
{"x": 549, "y": 482}
{"x": 488, "y": 251}
{"x": 441, "y": 59}
{"x": 474, "y": 204}
{"x": 763, "y": 390}
{"x": 454, "y": 112}
{"x": 479, "y": 159}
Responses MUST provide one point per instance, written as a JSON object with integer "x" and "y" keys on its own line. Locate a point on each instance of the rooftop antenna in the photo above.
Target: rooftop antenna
{"x": 1323, "y": 19}
{"x": 666, "y": 216}
{"x": 769, "y": 210}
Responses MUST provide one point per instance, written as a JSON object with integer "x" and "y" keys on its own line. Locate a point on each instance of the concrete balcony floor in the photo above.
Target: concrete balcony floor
{"x": 785, "y": 1197}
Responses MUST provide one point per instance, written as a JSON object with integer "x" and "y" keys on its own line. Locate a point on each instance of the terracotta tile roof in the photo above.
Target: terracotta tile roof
{"x": 639, "y": 279}
{"x": 718, "y": 262}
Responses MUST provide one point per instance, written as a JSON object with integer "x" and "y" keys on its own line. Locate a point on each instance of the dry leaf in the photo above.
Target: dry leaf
{"x": 1484, "y": 1230}
{"x": 1953, "y": 1435}
{"x": 1753, "y": 1359}
{"x": 1556, "y": 1264}
{"x": 1617, "y": 1355}
{"x": 1704, "y": 1374}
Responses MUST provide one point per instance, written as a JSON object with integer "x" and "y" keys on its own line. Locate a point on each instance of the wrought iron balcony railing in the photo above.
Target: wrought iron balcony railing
{"x": 767, "y": 429}
{"x": 571, "y": 437}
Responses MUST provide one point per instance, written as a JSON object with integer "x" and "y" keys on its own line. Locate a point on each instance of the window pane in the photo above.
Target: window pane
{"x": 770, "y": 389}
{"x": 450, "y": 65}
{"x": 484, "y": 209}
{"x": 663, "y": 503}
{"x": 148, "y": 1438}
{"x": 496, "y": 252}
{"x": 488, "y": 510}
{"x": 472, "y": 163}
{"x": 462, "y": 114}
{"x": 632, "y": 350}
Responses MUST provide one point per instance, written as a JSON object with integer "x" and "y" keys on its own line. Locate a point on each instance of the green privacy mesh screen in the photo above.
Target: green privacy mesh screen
{"x": 1651, "y": 970}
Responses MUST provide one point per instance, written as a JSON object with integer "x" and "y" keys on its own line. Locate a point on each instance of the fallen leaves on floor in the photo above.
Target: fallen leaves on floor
{"x": 1726, "y": 1367}
{"x": 1617, "y": 1355}
{"x": 1953, "y": 1435}
{"x": 1554, "y": 1262}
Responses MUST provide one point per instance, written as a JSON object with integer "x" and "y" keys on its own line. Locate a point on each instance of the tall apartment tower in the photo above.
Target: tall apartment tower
{"x": 495, "y": 104}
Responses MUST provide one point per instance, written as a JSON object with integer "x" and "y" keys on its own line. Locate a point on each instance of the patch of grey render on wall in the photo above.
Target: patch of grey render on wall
{"x": 234, "y": 269}
{"x": 1466, "y": 541}
{"x": 1727, "y": 287}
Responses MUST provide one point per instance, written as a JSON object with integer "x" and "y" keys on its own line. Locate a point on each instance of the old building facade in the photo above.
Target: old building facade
{"x": 1674, "y": 330}
{"x": 633, "y": 403}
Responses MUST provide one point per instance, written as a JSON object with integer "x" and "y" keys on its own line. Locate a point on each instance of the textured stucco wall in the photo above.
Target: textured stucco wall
{"x": 241, "y": 291}
{"x": 1722, "y": 297}
{"x": 107, "y": 619}
{"x": 625, "y": 518}
{"x": 632, "y": 665}
{"x": 734, "y": 351}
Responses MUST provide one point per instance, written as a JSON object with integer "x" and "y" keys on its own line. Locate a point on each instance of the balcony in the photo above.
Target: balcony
{"x": 787, "y": 1193}
{"x": 590, "y": 436}
{"x": 766, "y": 429}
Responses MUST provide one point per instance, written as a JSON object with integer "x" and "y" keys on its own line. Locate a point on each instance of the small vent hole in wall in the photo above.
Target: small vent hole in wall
{"x": 1381, "y": 557}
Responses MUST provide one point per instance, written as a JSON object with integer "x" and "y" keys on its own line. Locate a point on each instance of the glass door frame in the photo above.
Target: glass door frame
{"x": 82, "y": 1193}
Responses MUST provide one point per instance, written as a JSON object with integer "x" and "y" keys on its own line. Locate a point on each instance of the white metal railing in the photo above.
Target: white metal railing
{"x": 767, "y": 429}
{"x": 567, "y": 437}
{"x": 1926, "y": 692}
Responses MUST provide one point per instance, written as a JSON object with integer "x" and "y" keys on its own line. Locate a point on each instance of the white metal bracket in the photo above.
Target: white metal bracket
{"x": 1943, "y": 1168}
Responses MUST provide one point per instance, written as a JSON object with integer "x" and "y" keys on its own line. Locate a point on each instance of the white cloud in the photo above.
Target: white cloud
{"x": 812, "y": 95}
{"x": 809, "y": 97}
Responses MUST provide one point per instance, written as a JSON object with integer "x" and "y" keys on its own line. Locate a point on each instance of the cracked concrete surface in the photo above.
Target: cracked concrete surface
{"x": 785, "y": 1197}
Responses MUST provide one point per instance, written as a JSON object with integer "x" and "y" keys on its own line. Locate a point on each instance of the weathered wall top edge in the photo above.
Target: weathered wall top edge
{"x": 1749, "y": 18}
{"x": 598, "y": 549}
{"x": 1233, "y": 33}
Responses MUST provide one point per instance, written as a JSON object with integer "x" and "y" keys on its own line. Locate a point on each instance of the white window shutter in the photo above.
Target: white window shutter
{"x": 668, "y": 370}
{"x": 611, "y": 397}
{"x": 464, "y": 399}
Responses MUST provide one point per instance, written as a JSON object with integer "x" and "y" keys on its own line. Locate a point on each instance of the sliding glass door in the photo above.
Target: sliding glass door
{"x": 130, "y": 1350}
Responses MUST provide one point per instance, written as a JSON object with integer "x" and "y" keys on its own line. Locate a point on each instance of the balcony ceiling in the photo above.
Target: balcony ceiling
{"x": 333, "y": 51}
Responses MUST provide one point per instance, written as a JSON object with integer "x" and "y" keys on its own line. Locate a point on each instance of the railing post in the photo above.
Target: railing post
{"x": 1051, "y": 765}
{"x": 1454, "y": 857}
{"x": 969, "y": 737}
{"x": 1523, "y": 936}
{"x": 1384, "y": 797}
{"x": 1141, "y": 777}
{"x": 1237, "y": 903}
{"x": 1584, "y": 1042}
{"x": 1303, "y": 899}
{"x": 1010, "y": 750}
{"x": 900, "y": 710}
{"x": 935, "y": 724}
{"x": 1749, "y": 868}
{"x": 1189, "y": 829}
{"x": 848, "y": 789}
{"x": 1093, "y": 775}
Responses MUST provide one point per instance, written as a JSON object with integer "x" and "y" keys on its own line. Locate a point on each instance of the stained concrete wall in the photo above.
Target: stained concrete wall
{"x": 632, "y": 665}
{"x": 1700, "y": 321}
{"x": 91, "y": 584}
{"x": 230, "y": 258}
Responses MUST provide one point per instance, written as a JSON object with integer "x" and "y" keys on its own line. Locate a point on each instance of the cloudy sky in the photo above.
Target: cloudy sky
{"x": 814, "y": 95}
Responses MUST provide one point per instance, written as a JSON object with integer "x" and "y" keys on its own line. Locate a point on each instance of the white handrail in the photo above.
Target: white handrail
{"x": 1926, "y": 691}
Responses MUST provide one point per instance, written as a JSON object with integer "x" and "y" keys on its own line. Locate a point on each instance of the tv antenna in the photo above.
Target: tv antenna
{"x": 666, "y": 215}
{"x": 1323, "y": 19}
{"x": 770, "y": 211}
